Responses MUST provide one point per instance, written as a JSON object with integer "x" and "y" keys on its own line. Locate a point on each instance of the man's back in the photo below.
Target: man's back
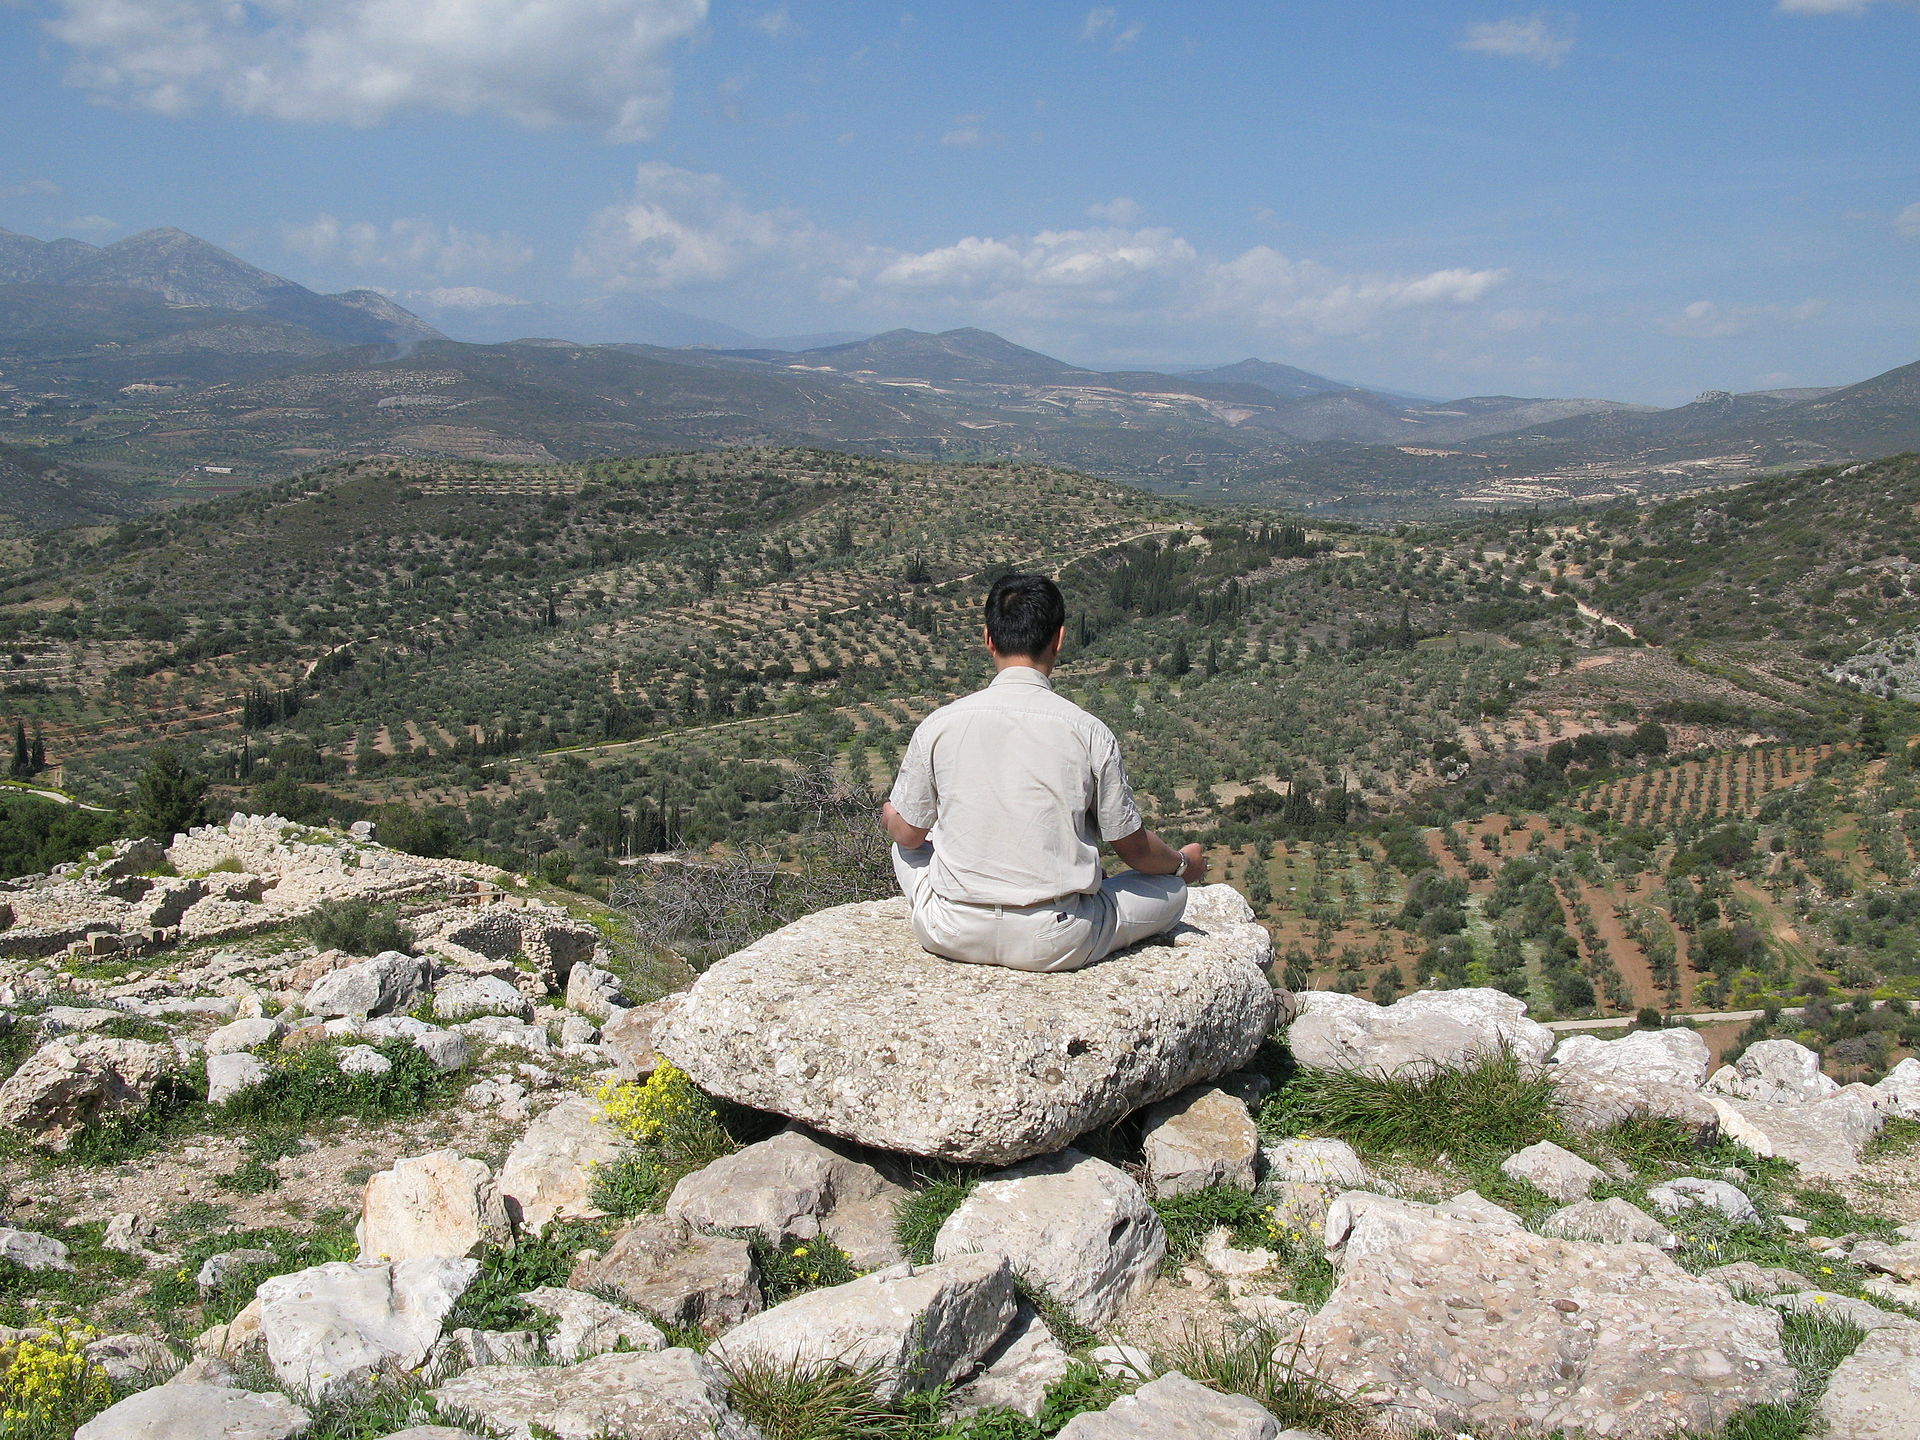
{"x": 1021, "y": 786}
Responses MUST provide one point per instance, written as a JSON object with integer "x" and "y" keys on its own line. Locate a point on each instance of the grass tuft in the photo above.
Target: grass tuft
{"x": 1248, "y": 1364}
{"x": 917, "y": 1222}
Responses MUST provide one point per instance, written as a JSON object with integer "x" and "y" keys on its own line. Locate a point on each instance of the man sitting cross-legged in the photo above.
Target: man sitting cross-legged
{"x": 1016, "y": 787}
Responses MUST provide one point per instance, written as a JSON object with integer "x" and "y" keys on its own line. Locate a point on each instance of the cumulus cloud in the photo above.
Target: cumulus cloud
{"x": 682, "y": 230}
{"x": 776, "y": 24}
{"x": 598, "y": 63}
{"x": 28, "y": 187}
{"x": 1704, "y": 320}
{"x": 1907, "y": 222}
{"x": 1103, "y": 26}
{"x": 1544, "y": 38}
{"x": 406, "y": 246}
{"x": 1117, "y": 211}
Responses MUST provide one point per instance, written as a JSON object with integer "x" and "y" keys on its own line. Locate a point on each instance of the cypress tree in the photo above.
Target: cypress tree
{"x": 21, "y": 756}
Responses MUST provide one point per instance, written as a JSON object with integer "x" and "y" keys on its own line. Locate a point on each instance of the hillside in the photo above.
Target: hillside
{"x": 40, "y": 493}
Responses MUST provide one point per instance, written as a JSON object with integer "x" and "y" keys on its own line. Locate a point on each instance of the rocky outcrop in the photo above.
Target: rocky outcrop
{"x": 1773, "y": 1072}
{"x": 330, "y": 1328}
{"x": 795, "y": 1187}
{"x": 670, "y": 1270}
{"x": 1870, "y": 1395}
{"x": 207, "y": 1412}
{"x": 1556, "y": 1173}
{"x": 1612, "y": 1221}
{"x": 661, "y": 1395}
{"x": 1675, "y": 1056}
{"x": 1199, "y": 1138}
{"x": 629, "y": 1035}
{"x": 388, "y": 982}
{"x": 1825, "y": 1137}
{"x": 1175, "y": 1406}
{"x": 440, "y": 1204}
{"x": 71, "y": 1083}
{"x": 1076, "y": 1226}
{"x": 587, "y": 1325}
{"x": 1448, "y": 1029}
{"x": 917, "y": 1327}
{"x": 1464, "y": 1325}
{"x": 843, "y": 1022}
{"x": 548, "y": 1173}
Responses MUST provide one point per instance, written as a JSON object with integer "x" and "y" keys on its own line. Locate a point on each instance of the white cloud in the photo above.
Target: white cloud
{"x": 1907, "y": 222}
{"x": 1103, "y": 26}
{"x": 93, "y": 224}
{"x": 685, "y": 229}
{"x": 28, "y": 187}
{"x": 967, "y": 133}
{"x": 1117, "y": 211}
{"x": 1704, "y": 320}
{"x": 776, "y": 24}
{"x": 1544, "y": 38}
{"x": 406, "y": 246}
{"x": 1824, "y": 7}
{"x": 468, "y": 297}
{"x": 598, "y": 63}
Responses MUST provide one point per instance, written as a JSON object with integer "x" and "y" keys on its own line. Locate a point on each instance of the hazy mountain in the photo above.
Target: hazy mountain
{"x": 1282, "y": 380}
{"x": 1875, "y": 417}
{"x": 483, "y": 317}
{"x": 183, "y": 269}
{"x": 1453, "y": 422}
{"x": 1355, "y": 416}
{"x": 964, "y": 354}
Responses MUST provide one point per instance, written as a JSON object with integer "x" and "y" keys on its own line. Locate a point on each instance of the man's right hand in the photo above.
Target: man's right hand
{"x": 1194, "y": 867}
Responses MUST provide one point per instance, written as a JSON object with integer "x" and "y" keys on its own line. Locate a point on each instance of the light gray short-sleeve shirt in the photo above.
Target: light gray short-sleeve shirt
{"x": 1019, "y": 786}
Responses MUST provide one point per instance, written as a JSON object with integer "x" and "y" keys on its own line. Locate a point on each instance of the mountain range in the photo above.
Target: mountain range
{"x": 162, "y": 367}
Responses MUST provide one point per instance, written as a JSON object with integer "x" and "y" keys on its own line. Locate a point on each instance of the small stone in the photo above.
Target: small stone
{"x": 548, "y": 1173}
{"x": 216, "y": 1270}
{"x": 362, "y": 1060}
{"x": 1123, "y": 1362}
{"x": 389, "y": 982}
{"x": 669, "y": 1270}
{"x": 1773, "y": 1072}
{"x": 1556, "y": 1173}
{"x": 1870, "y": 1395}
{"x": 1200, "y": 1138}
{"x": 331, "y": 1327}
{"x": 1174, "y": 1406}
{"x": 33, "y": 1251}
{"x": 462, "y": 997}
{"x": 437, "y": 1204}
{"x": 1015, "y": 1374}
{"x": 230, "y": 1074}
{"x": 628, "y": 1036}
{"x": 1691, "y": 1191}
{"x": 239, "y": 1035}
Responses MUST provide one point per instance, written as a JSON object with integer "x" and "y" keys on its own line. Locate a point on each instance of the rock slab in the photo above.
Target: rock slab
{"x": 331, "y": 1327}
{"x": 1175, "y": 1408}
{"x": 1871, "y": 1394}
{"x": 1445, "y": 1029}
{"x": 659, "y": 1395}
{"x": 841, "y": 1021}
{"x": 1200, "y": 1138}
{"x": 214, "y": 1412}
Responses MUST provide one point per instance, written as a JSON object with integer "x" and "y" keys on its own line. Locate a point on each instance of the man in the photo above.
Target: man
{"x": 1016, "y": 787}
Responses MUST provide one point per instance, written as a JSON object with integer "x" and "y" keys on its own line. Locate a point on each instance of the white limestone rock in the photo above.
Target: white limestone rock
{"x": 1871, "y": 1393}
{"x": 204, "y": 1412}
{"x": 1199, "y": 1138}
{"x": 1445, "y": 1029}
{"x": 795, "y": 1187}
{"x": 1590, "y": 1101}
{"x": 388, "y": 982}
{"x": 239, "y": 1035}
{"x": 1826, "y": 1138}
{"x": 1071, "y": 1223}
{"x": 1676, "y": 1056}
{"x": 1482, "y": 1327}
{"x": 587, "y": 1325}
{"x": 445, "y": 1048}
{"x": 548, "y": 1174}
{"x": 594, "y": 992}
{"x": 33, "y": 1251}
{"x": 918, "y": 1327}
{"x": 1175, "y": 1407}
{"x": 672, "y": 1271}
{"x": 71, "y": 1083}
{"x": 1901, "y": 1089}
{"x": 1689, "y": 1192}
{"x": 1902, "y": 1261}
{"x": 628, "y": 1035}
{"x": 1773, "y": 1072}
{"x": 440, "y": 1204}
{"x": 361, "y": 1060}
{"x": 230, "y": 1074}
{"x": 841, "y": 1021}
{"x": 1015, "y": 1374}
{"x": 657, "y": 1394}
{"x": 1556, "y": 1173}
{"x": 1332, "y": 1163}
{"x": 330, "y": 1327}
{"x": 1612, "y": 1221}
{"x": 463, "y": 997}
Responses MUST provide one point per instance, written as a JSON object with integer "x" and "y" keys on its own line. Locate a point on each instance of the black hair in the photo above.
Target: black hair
{"x": 1024, "y": 613}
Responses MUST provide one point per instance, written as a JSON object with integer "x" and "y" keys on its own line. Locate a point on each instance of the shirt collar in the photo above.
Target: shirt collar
{"x": 1022, "y": 675}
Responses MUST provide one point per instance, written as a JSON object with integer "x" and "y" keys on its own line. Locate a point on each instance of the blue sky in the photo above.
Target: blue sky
{"x": 1634, "y": 200}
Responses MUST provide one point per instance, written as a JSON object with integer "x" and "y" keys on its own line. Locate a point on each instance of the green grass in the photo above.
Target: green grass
{"x": 798, "y": 1266}
{"x": 508, "y": 1271}
{"x": 306, "y": 1086}
{"x": 1249, "y": 1365}
{"x": 100, "y": 1277}
{"x": 1490, "y": 1109}
{"x": 917, "y": 1222}
{"x": 1190, "y": 1218}
{"x": 175, "y": 1293}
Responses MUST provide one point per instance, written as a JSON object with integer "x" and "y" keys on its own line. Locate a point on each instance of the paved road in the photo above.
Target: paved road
{"x": 1705, "y": 1017}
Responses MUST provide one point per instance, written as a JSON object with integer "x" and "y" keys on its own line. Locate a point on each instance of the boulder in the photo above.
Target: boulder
{"x": 462, "y": 997}
{"x": 587, "y": 1325}
{"x": 33, "y": 1251}
{"x": 1482, "y": 1327}
{"x": 1825, "y": 1138}
{"x": 216, "y": 1270}
{"x": 674, "y": 1272}
{"x": 446, "y": 1049}
{"x": 842, "y": 1022}
{"x": 1773, "y": 1072}
{"x": 128, "y": 1233}
{"x": 1870, "y": 1395}
{"x": 594, "y": 992}
{"x": 1690, "y": 1192}
{"x": 1556, "y": 1173}
{"x": 919, "y": 1327}
{"x": 133, "y": 1360}
{"x": 331, "y": 1327}
{"x": 1076, "y": 1226}
{"x": 1174, "y": 1408}
{"x": 1644, "y": 1057}
{"x": 795, "y": 1187}
{"x": 1333, "y": 1163}
{"x": 205, "y": 1412}
{"x": 1589, "y": 1101}
{"x": 1014, "y": 1374}
{"x": 361, "y": 1060}
{"x": 548, "y": 1173}
{"x": 71, "y": 1083}
{"x": 1901, "y": 1089}
{"x": 229, "y": 1074}
{"x": 628, "y": 1036}
{"x": 466, "y": 1347}
{"x": 1608, "y": 1222}
{"x": 238, "y": 1035}
{"x": 1445, "y": 1029}
{"x": 1359, "y": 1223}
{"x": 1902, "y": 1261}
{"x": 1199, "y": 1138}
{"x": 440, "y": 1204}
{"x": 656, "y": 1394}
{"x": 388, "y": 982}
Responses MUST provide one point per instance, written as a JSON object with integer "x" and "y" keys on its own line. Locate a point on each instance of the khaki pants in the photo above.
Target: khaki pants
{"x": 1061, "y": 934}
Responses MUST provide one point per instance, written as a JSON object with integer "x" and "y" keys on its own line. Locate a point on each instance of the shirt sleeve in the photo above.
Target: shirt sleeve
{"x": 914, "y": 795}
{"x": 1113, "y": 805}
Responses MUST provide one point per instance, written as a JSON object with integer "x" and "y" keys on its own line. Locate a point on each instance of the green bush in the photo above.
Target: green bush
{"x": 357, "y": 927}
{"x": 508, "y": 1271}
{"x": 307, "y": 1085}
{"x": 798, "y": 1266}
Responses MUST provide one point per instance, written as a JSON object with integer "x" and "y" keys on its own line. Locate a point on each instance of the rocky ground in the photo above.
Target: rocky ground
{"x": 470, "y": 1174}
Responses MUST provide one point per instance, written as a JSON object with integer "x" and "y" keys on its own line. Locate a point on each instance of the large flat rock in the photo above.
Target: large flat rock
{"x": 841, "y": 1021}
